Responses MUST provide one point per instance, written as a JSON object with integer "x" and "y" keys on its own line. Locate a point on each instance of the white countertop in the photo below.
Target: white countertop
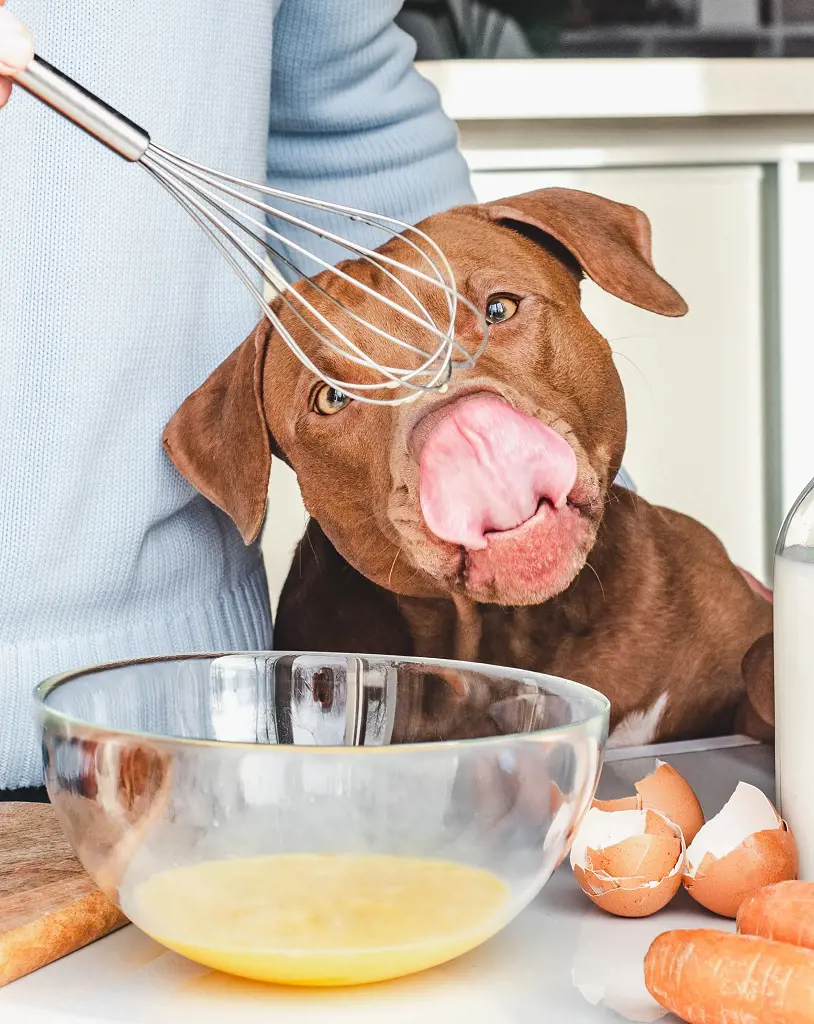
{"x": 562, "y": 961}
{"x": 616, "y": 88}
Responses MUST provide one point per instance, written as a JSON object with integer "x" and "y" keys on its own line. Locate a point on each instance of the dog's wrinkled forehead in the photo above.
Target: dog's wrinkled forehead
{"x": 510, "y": 244}
{"x": 361, "y": 302}
{"x": 388, "y": 309}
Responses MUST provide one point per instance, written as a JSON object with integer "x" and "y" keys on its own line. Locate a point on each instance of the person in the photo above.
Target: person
{"x": 114, "y": 306}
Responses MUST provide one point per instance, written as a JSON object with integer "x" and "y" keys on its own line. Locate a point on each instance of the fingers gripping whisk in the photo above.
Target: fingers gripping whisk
{"x": 411, "y": 307}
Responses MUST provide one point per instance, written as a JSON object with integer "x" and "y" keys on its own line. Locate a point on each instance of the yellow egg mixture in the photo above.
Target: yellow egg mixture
{"x": 321, "y": 919}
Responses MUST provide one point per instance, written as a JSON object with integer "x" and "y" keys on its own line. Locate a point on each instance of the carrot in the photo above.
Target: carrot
{"x": 783, "y": 912}
{"x": 712, "y": 977}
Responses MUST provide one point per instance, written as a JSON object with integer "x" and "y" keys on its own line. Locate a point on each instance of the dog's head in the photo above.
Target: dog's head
{"x": 495, "y": 489}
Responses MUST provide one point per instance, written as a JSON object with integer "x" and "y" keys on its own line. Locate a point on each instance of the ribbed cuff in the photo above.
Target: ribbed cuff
{"x": 238, "y": 620}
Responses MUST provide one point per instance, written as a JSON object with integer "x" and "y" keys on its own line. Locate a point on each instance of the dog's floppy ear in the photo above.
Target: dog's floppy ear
{"x": 219, "y": 439}
{"x": 610, "y": 241}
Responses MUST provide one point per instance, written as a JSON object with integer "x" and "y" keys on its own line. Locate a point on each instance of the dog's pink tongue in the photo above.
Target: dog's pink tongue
{"x": 486, "y": 467}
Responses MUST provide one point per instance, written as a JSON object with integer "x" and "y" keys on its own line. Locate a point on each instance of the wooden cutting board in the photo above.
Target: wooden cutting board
{"x": 49, "y": 906}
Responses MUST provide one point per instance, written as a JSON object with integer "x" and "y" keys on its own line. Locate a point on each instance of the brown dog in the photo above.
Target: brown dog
{"x": 483, "y": 524}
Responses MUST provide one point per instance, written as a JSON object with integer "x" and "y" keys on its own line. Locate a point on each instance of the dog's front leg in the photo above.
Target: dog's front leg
{"x": 326, "y": 605}
{"x": 755, "y": 717}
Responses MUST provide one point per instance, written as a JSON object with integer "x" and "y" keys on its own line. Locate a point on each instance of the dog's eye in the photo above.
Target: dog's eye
{"x": 329, "y": 400}
{"x": 500, "y": 308}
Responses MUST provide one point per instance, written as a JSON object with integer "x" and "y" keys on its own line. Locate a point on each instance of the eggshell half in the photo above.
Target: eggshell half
{"x": 638, "y": 898}
{"x": 629, "y": 862}
{"x": 646, "y": 856}
{"x": 658, "y": 824}
{"x": 745, "y": 847}
{"x": 667, "y": 791}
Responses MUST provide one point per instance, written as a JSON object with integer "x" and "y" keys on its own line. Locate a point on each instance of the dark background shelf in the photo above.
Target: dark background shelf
{"x": 511, "y": 29}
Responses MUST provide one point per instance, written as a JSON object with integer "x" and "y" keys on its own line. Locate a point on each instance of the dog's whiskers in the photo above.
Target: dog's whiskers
{"x": 598, "y": 580}
{"x": 311, "y": 545}
{"x": 393, "y": 566}
{"x": 623, "y": 355}
{"x": 375, "y": 552}
{"x": 367, "y": 519}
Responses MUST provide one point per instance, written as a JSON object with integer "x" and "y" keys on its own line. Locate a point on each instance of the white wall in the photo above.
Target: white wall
{"x": 285, "y": 522}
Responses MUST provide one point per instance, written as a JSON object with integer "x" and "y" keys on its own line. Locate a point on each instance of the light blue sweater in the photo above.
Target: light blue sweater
{"x": 113, "y": 307}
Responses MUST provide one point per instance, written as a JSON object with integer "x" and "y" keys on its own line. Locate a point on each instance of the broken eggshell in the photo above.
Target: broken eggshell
{"x": 745, "y": 847}
{"x": 629, "y": 862}
{"x": 667, "y": 791}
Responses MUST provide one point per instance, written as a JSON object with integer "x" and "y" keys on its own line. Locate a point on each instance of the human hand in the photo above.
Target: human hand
{"x": 16, "y": 50}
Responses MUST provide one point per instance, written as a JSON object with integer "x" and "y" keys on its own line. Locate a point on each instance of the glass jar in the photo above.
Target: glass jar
{"x": 794, "y": 674}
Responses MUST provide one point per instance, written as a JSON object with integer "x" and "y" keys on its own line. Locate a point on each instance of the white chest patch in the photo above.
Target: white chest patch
{"x": 639, "y": 728}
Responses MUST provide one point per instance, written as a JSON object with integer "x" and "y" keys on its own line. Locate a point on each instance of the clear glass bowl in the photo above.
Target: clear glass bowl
{"x": 319, "y": 818}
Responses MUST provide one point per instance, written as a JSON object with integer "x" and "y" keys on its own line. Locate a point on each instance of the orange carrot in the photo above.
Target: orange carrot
{"x": 711, "y": 977}
{"x": 783, "y": 912}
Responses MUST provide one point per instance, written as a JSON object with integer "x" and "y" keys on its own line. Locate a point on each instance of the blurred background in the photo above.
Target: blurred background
{"x": 515, "y": 29}
{"x": 701, "y": 113}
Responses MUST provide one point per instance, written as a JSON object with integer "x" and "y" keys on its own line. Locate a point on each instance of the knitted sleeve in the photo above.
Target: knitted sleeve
{"x": 352, "y": 121}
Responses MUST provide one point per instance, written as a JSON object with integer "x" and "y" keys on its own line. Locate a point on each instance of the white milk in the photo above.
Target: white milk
{"x": 794, "y": 696}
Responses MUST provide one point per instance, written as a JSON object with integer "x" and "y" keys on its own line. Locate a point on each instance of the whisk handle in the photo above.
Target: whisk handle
{"x": 83, "y": 108}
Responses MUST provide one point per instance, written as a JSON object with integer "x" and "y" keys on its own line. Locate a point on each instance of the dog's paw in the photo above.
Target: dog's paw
{"x": 755, "y": 716}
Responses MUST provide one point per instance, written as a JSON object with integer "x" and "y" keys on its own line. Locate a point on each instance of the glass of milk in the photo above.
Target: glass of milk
{"x": 794, "y": 674}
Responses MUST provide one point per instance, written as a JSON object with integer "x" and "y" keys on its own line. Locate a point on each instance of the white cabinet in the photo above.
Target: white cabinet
{"x": 792, "y": 407}
{"x": 694, "y": 386}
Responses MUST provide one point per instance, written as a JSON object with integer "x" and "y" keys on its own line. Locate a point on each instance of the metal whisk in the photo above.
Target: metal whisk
{"x": 238, "y": 218}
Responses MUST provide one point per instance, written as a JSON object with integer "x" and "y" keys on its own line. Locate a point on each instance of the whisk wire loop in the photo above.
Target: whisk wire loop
{"x": 233, "y": 214}
{"x": 215, "y": 229}
{"x": 228, "y": 210}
